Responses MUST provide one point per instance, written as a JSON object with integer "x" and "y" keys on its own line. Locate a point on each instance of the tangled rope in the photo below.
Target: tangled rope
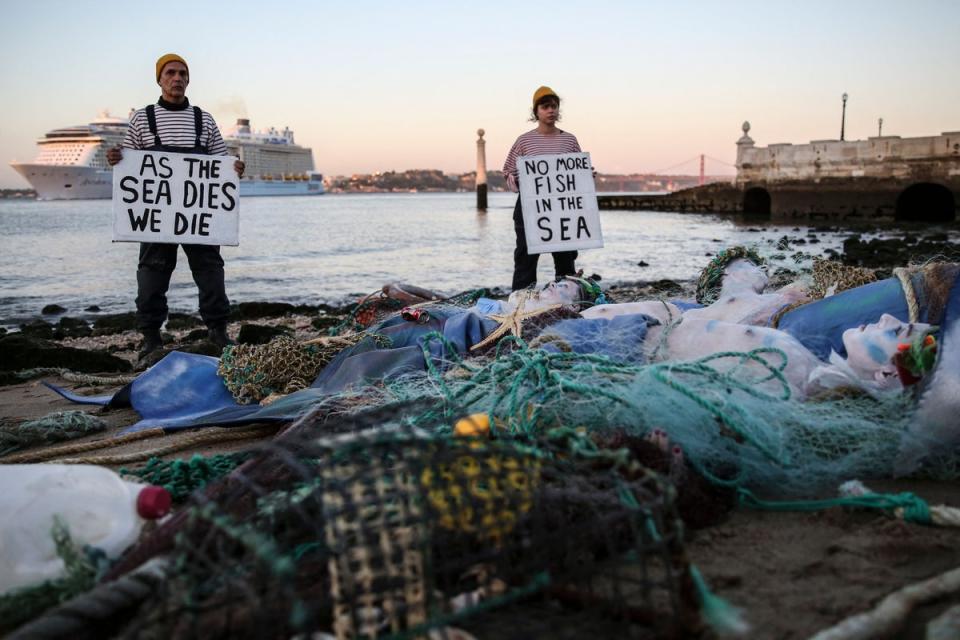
{"x": 99, "y": 605}
{"x": 367, "y": 311}
{"x": 183, "y": 477}
{"x": 206, "y": 436}
{"x": 377, "y": 305}
{"x": 888, "y": 617}
{"x": 525, "y": 380}
{"x": 54, "y": 427}
{"x": 73, "y": 376}
{"x": 42, "y": 455}
{"x": 254, "y": 371}
{"x": 830, "y": 277}
{"x": 909, "y": 294}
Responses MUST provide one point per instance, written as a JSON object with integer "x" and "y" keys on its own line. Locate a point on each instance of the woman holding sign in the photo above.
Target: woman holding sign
{"x": 545, "y": 139}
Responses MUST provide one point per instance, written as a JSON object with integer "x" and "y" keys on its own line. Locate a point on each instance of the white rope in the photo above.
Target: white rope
{"x": 903, "y": 275}
{"x": 887, "y": 617}
{"x": 940, "y": 515}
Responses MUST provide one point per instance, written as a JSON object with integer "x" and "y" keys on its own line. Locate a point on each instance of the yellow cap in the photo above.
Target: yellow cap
{"x": 170, "y": 57}
{"x": 542, "y": 92}
{"x": 477, "y": 424}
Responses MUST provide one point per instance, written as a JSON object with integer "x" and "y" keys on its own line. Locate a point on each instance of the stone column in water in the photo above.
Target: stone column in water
{"x": 481, "y": 172}
{"x": 744, "y": 146}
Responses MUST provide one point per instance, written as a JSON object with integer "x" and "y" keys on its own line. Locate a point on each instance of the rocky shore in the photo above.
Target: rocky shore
{"x": 108, "y": 343}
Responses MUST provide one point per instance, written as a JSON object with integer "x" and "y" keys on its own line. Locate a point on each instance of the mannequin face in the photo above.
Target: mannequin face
{"x": 742, "y": 275}
{"x": 564, "y": 292}
{"x": 870, "y": 348}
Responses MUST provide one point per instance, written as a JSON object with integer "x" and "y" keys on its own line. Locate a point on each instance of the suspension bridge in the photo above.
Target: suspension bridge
{"x": 719, "y": 168}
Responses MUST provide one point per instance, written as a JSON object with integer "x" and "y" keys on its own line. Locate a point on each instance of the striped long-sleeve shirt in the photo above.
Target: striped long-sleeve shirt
{"x": 534, "y": 143}
{"x": 176, "y": 128}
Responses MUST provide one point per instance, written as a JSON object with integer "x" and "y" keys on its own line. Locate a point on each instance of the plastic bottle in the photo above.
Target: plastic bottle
{"x": 99, "y": 508}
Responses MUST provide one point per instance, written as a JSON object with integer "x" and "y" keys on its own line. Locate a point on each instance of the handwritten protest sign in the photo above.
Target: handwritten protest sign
{"x": 559, "y": 199}
{"x": 176, "y": 197}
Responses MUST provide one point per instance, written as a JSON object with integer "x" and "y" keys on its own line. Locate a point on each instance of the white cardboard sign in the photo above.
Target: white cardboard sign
{"x": 176, "y": 197}
{"x": 559, "y": 200}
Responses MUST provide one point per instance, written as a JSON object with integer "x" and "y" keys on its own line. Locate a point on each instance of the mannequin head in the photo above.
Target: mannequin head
{"x": 564, "y": 291}
{"x": 743, "y": 276}
{"x": 713, "y": 275}
{"x": 569, "y": 291}
{"x": 871, "y": 348}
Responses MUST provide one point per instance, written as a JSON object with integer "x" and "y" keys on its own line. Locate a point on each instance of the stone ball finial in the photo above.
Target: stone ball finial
{"x": 746, "y": 127}
{"x": 480, "y": 132}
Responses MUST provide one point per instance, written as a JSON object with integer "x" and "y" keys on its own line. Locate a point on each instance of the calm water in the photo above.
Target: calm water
{"x": 334, "y": 247}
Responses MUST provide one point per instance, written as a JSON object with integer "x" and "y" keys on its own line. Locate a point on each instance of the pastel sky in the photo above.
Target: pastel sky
{"x": 375, "y": 86}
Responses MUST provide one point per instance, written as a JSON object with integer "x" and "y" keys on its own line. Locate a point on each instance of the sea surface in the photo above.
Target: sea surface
{"x": 334, "y": 248}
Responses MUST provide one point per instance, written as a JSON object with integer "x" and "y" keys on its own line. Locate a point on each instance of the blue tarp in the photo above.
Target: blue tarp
{"x": 620, "y": 338}
{"x": 76, "y": 398}
{"x": 819, "y": 325}
{"x": 183, "y": 390}
{"x": 365, "y": 361}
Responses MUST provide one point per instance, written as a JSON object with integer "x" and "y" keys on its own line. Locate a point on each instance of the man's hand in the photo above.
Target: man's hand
{"x": 114, "y": 156}
{"x": 239, "y": 166}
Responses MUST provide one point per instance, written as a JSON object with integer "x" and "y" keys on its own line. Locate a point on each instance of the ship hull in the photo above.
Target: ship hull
{"x": 87, "y": 183}
{"x": 253, "y": 188}
{"x": 53, "y": 182}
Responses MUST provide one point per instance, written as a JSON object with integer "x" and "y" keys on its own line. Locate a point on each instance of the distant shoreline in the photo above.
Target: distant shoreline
{"x": 435, "y": 181}
{"x": 18, "y": 194}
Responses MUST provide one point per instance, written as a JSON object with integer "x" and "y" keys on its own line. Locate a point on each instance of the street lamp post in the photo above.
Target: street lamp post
{"x": 880, "y": 128}
{"x": 843, "y": 117}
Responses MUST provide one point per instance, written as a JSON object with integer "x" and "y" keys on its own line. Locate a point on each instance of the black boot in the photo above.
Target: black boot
{"x": 219, "y": 337}
{"x": 151, "y": 342}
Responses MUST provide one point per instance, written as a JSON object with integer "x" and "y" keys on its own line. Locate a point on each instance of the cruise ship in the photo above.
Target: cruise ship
{"x": 72, "y": 162}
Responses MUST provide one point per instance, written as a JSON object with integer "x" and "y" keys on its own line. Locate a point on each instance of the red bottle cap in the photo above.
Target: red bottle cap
{"x": 153, "y": 503}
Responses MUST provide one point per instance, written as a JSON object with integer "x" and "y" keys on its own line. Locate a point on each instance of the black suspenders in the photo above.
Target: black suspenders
{"x": 197, "y": 125}
{"x": 152, "y": 123}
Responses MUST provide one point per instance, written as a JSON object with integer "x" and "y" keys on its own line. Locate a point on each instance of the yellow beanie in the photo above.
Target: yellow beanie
{"x": 542, "y": 92}
{"x": 170, "y": 57}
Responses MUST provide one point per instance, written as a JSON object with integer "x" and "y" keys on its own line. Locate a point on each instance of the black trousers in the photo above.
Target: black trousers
{"x": 525, "y": 265}
{"x": 157, "y": 262}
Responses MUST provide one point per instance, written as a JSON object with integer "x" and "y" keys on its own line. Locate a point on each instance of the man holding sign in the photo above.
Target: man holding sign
{"x": 557, "y": 207}
{"x": 204, "y": 198}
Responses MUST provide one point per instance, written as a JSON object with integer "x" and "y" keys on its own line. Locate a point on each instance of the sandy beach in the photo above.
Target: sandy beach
{"x": 791, "y": 574}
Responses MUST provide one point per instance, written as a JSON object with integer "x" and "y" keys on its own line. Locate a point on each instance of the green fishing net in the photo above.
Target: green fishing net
{"x": 731, "y": 414}
{"x": 378, "y": 528}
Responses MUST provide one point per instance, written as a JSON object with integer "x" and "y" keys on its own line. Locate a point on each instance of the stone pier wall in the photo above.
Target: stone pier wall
{"x": 884, "y": 178}
{"x": 711, "y": 198}
{"x": 836, "y": 199}
{"x": 924, "y": 159}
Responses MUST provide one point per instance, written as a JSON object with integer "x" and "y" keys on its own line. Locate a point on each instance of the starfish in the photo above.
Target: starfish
{"x": 512, "y": 322}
